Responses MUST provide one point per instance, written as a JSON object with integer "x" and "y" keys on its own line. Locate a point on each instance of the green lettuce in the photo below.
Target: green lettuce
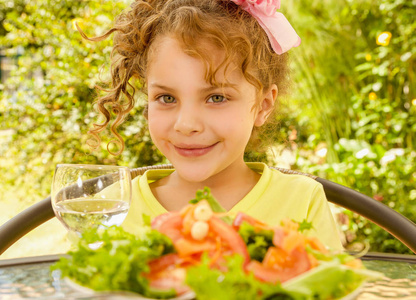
{"x": 113, "y": 260}
{"x": 257, "y": 241}
{"x": 330, "y": 280}
{"x": 234, "y": 284}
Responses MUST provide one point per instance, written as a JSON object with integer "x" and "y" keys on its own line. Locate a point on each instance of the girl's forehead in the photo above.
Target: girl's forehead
{"x": 212, "y": 57}
{"x": 201, "y": 48}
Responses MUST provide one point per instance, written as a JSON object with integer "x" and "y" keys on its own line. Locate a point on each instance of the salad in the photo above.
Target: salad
{"x": 202, "y": 251}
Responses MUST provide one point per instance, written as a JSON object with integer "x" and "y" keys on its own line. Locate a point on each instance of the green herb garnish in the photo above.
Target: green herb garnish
{"x": 205, "y": 194}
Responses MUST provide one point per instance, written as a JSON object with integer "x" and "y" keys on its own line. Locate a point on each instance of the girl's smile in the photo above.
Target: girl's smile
{"x": 193, "y": 150}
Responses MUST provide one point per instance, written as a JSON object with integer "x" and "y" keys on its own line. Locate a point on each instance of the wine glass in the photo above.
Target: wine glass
{"x": 90, "y": 196}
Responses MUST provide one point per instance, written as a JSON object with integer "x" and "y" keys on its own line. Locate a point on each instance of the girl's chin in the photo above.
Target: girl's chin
{"x": 194, "y": 175}
{"x": 193, "y": 178}
{"x": 208, "y": 170}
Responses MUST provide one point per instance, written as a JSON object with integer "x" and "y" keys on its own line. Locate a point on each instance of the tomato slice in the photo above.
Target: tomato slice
{"x": 170, "y": 278}
{"x": 293, "y": 240}
{"x": 278, "y": 237}
{"x": 167, "y": 220}
{"x": 167, "y": 273}
{"x": 264, "y": 273}
{"x": 169, "y": 224}
{"x": 275, "y": 258}
{"x": 161, "y": 263}
{"x": 280, "y": 266}
{"x": 242, "y": 217}
{"x": 231, "y": 237}
{"x": 188, "y": 246}
{"x": 316, "y": 244}
{"x": 296, "y": 262}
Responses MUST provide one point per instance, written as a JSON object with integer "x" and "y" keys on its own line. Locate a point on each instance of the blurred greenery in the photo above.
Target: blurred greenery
{"x": 356, "y": 79}
{"x": 47, "y": 101}
{"x": 351, "y": 116}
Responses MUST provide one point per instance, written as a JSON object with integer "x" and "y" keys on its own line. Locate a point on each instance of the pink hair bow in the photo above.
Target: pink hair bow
{"x": 281, "y": 34}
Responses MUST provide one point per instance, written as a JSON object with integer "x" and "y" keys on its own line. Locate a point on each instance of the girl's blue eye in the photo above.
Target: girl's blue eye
{"x": 167, "y": 99}
{"x": 216, "y": 99}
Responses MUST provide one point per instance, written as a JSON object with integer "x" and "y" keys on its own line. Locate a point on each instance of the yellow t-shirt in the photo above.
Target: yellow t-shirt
{"x": 276, "y": 196}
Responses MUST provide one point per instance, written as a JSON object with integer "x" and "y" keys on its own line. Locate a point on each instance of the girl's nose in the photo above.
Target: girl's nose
{"x": 188, "y": 120}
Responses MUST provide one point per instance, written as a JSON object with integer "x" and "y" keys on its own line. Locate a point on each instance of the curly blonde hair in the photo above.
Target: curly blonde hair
{"x": 221, "y": 23}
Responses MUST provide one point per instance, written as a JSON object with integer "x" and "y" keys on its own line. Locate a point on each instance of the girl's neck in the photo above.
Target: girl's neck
{"x": 228, "y": 187}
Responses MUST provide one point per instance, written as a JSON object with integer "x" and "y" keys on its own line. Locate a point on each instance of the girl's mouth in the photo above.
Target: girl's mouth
{"x": 193, "y": 150}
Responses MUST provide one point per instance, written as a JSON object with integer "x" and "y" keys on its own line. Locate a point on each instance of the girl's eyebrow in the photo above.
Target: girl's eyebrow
{"x": 220, "y": 85}
{"x": 207, "y": 89}
{"x": 160, "y": 86}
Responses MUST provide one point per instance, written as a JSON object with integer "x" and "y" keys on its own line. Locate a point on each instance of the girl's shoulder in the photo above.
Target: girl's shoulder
{"x": 282, "y": 175}
{"x": 293, "y": 176}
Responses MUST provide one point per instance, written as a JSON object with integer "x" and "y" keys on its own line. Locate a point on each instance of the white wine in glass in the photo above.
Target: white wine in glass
{"x": 90, "y": 196}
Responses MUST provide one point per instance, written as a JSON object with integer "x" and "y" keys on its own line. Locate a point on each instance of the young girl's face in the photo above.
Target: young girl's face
{"x": 201, "y": 129}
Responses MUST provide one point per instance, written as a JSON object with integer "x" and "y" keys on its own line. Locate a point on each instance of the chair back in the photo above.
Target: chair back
{"x": 393, "y": 222}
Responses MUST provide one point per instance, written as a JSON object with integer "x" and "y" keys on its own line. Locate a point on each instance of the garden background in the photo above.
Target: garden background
{"x": 350, "y": 117}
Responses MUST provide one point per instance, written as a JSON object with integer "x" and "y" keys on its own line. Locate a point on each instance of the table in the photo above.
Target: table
{"x": 30, "y": 278}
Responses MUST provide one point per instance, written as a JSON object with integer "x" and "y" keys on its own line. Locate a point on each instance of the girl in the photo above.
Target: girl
{"x": 212, "y": 70}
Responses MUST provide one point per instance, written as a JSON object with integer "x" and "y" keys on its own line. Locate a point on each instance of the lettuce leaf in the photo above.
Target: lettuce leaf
{"x": 233, "y": 284}
{"x": 330, "y": 280}
{"x": 257, "y": 241}
{"x": 113, "y": 260}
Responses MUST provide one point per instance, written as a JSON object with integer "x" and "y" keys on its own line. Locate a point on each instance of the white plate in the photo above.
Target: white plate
{"x": 120, "y": 295}
{"x": 290, "y": 285}
{"x": 354, "y": 294}
{"x": 188, "y": 296}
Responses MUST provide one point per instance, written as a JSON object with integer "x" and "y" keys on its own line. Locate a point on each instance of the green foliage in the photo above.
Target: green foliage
{"x": 360, "y": 90}
{"x": 386, "y": 75}
{"x": 388, "y": 176}
{"x": 48, "y": 100}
